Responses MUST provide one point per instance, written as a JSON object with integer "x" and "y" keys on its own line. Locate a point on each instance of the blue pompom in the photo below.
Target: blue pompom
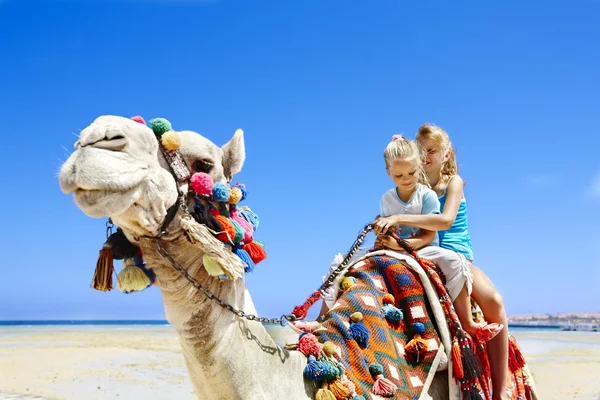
{"x": 249, "y": 216}
{"x": 418, "y": 327}
{"x": 220, "y": 192}
{"x": 245, "y": 257}
{"x": 360, "y": 334}
{"x": 314, "y": 370}
{"x": 392, "y": 314}
{"x": 358, "y": 397}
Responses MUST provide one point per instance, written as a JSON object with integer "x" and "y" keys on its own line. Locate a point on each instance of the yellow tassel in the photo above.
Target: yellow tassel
{"x": 104, "y": 268}
{"x": 324, "y": 394}
{"x": 132, "y": 278}
{"x": 211, "y": 266}
{"x": 339, "y": 390}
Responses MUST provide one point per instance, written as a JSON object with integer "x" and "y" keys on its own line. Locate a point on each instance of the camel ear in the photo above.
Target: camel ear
{"x": 234, "y": 155}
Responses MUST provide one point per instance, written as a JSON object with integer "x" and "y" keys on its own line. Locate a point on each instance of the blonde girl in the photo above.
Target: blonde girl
{"x": 411, "y": 196}
{"x": 440, "y": 166}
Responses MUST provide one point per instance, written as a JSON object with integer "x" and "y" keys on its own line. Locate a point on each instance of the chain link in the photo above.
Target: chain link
{"x": 334, "y": 274}
{"x": 283, "y": 320}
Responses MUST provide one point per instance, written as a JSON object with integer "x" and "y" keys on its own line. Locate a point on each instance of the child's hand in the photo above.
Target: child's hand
{"x": 381, "y": 225}
{"x": 386, "y": 242}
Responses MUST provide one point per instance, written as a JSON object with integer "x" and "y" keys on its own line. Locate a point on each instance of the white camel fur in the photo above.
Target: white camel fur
{"x": 117, "y": 171}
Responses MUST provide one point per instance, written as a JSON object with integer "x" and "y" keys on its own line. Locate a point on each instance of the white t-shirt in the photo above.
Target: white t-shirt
{"x": 423, "y": 201}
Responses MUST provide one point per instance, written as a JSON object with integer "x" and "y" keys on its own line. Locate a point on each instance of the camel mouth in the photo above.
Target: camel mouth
{"x": 101, "y": 202}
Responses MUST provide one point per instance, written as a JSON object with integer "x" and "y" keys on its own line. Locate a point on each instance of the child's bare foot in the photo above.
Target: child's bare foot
{"x": 486, "y": 332}
{"x": 483, "y": 331}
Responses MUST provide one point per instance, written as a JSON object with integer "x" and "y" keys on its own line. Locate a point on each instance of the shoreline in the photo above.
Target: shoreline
{"x": 93, "y": 362}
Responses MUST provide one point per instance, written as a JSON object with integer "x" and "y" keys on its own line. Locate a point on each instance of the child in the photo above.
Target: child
{"x": 439, "y": 163}
{"x": 411, "y": 196}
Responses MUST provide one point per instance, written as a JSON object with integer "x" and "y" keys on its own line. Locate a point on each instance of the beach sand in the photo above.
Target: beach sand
{"x": 128, "y": 362}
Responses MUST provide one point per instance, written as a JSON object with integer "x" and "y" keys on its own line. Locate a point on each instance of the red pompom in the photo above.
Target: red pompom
{"x": 255, "y": 251}
{"x": 139, "y": 119}
{"x": 202, "y": 183}
{"x": 309, "y": 345}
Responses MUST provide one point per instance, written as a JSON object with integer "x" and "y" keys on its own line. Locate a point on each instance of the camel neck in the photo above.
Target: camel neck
{"x": 224, "y": 353}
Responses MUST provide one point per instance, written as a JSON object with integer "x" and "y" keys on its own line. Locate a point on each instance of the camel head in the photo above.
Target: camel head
{"x": 117, "y": 170}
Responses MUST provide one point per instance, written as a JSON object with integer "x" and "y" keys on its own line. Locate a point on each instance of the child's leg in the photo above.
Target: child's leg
{"x": 462, "y": 306}
{"x": 490, "y": 302}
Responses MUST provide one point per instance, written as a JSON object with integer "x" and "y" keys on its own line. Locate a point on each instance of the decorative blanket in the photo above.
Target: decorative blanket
{"x": 390, "y": 342}
{"x": 391, "y": 328}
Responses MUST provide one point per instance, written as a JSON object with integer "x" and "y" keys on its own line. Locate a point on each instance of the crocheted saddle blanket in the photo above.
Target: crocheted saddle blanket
{"x": 411, "y": 372}
{"x": 390, "y": 331}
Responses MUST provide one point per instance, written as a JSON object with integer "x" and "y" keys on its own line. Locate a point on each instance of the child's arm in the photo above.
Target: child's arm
{"x": 416, "y": 242}
{"x": 433, "y": 222}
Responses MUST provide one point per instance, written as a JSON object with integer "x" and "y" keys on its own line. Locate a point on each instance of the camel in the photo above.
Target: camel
{"x": 118, "y": 171}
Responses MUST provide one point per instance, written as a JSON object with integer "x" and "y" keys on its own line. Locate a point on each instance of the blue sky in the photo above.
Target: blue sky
{"x": 319, "y": 87}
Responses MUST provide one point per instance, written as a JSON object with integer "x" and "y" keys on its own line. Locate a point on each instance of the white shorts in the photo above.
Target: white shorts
{"x": 454, "y": 266}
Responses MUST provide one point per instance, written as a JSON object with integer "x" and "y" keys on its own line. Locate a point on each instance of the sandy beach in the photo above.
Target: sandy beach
{"x": 114, "y": 362}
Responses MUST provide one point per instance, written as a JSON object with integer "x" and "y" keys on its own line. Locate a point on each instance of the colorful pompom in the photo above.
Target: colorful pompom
{"x": 256, "y": 251}
{"x": 239, "y": 231}
{"x": 324, "y": 394}
{"x": 202, "y": 183}
{"x": 235, "y": 195}
{"x": 339, "y": 390}
{"x": 388, "y": 298}
{"x": 220, "y": 192}
{"x": 382, "y": 386}
{"x": 331, "y": 371}
{"x": 417, "y": 346}
{"x": 359, "y": 331}
{"x": 171, "y": 140}
{"x": 418, "y": 327}
{"x": 329, "y": 348}
{"x": 347, "y": 282}
{"x": 242, "y": 188}
{"x": 160, "y": 126}
{"x": 228, "y": 233}
{"x": 250, "y": 216}
{"x": 314, "y": 370}
{"x": 243, "y": 255}
{"x": 247, "y": 226}
{"x": 392, "y": 314}
{"x": 139, "y": 119}
{"x": 309, "y": 345}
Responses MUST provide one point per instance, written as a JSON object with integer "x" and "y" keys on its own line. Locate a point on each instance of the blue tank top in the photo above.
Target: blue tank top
{"x": 457, "y": 237}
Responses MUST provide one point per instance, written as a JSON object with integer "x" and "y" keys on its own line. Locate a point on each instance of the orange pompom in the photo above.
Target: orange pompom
{"x": 388, "y": 299}
{"x": 228, "y": 229}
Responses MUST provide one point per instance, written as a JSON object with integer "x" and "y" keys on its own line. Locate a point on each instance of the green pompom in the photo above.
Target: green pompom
{"x": 160, "y": 126}
{"x": 376, "y": 369}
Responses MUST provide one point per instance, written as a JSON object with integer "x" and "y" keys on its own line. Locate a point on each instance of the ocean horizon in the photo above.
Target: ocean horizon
{"x": 162, "y": 322}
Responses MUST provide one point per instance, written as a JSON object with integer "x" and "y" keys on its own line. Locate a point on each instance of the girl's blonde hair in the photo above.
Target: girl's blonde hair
{"x": 401, "y": 148}
{"x": 440, "y": 137}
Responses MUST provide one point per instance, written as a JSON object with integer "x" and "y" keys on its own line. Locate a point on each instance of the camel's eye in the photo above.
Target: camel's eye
{"x": 202, "y": 166}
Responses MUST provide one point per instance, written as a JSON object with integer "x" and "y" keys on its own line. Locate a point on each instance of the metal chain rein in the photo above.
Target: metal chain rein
{"x": 283, "y": 320}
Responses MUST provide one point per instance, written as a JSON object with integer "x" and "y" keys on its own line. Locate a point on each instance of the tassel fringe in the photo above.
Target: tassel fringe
{"x": 102, "y": 280}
